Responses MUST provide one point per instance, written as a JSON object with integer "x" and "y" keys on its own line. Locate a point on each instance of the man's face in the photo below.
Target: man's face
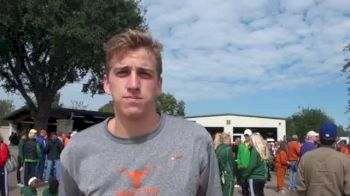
{"x": 133, "y": 83}
{"x": 246, "y": 138}
{"x": 43, "y": 133}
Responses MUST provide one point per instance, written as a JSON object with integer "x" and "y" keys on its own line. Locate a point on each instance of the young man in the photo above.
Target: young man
{"x": 324, "y": 171}
{"x": 41, "y": 140}
{"x": 138, "y": 151}
{"x": 31, "y": 153}
{"x": 243, "y": 159}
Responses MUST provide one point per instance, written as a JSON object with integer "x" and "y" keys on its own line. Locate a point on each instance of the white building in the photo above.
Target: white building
{"x": 235, "y": 124}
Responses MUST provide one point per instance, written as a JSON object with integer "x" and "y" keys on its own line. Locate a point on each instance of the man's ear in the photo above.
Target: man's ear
{"x": 106, "y": 86}
{"x": 160, "y": 86}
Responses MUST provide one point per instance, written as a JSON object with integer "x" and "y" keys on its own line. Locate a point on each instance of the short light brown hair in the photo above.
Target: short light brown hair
{"x": 121, "y": 43}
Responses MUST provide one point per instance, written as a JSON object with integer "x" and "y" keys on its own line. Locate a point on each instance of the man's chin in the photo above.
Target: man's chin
{"x": 133, "y": 113}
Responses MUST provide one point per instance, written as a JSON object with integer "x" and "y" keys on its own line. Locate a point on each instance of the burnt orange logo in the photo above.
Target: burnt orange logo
{"x": 136, "y": 176}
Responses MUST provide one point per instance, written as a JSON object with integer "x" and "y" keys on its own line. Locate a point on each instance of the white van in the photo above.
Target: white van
{"x": 343, "y": 139}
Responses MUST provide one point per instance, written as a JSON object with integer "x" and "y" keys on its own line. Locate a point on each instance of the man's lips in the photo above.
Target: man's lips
{"x": 132, "y": 97}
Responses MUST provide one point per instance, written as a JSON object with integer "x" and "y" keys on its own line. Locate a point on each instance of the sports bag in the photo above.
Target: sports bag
{"x": 11, "y": 163}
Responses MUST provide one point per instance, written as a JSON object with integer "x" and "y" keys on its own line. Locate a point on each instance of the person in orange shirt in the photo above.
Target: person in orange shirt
{"x": 344, "y": 149}
{"x": 281, "y": 164}
{"x": 66, "y": 139}
{"x": 293, "y": 154}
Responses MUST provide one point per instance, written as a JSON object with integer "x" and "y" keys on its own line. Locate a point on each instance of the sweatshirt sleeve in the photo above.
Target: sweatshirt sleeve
{"x": 4, "y": 154}
{"x": 300, "y": 185}
{"x": 209, "y": 183}
{"x": 252, "y": 163}
{"x": 347, "y": 177}
{"x": 67, "y": 185}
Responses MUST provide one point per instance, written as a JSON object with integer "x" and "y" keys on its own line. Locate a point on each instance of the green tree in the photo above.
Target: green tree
{"x": 341, "y": 131}
{"x": 108, "y": 107}
{"x": 346, "y": 70}
{"x": 45, "y": 45}
{"x": 305, "y": 120}
{"x": 6, "y": 106}
{"x": 166, "y": 103}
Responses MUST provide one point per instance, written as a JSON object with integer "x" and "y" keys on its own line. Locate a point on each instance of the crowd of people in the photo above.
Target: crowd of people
{"x": 38, "y": 161}
{"x": 318, "y": 166}
{"x": 140, "y": 151}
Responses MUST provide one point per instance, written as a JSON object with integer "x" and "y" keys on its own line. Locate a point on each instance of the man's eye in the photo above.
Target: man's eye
{"x": 121, "y": 73}
{"x": 145, "y": 75}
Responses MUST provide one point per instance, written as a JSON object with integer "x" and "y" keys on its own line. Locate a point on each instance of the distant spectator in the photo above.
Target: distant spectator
{"x": 14, "y": 138}
{"x": 42, "y": 141}
{"x": 281, "y": 162}
{"x": 225, "y": 159}
{"x": 20, "y": 159}
{"x": 31, "y": 153}
{"x": 343, "y": 148}
{"x": 53, "y": 150}
{"x": 293, "y": 153}
{"x": 52, "y": 189}
{"x": 66, "y": 138}
{"x": 4, "y": 154}
{"x": 310, "y": 142}
{"x": 324, "y": 171}
{"x": 30, "y": 189}
{"x": 243, "y": 158}
{"x": 256, "y": 172}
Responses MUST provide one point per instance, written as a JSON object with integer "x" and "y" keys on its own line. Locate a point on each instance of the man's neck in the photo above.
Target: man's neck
{"x": 124, "y": 127}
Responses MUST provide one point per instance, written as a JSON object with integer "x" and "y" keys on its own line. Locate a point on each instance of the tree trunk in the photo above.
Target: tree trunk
{"x": 41, "y": 117}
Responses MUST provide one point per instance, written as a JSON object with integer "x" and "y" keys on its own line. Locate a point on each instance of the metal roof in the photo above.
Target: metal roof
{"x": 232, "y": 114}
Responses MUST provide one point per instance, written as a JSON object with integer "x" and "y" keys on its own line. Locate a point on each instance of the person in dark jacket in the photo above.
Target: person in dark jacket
{"x": 31, "y": 152}
{"x": 20, "y": 158}
{"x": 53, "y": 150}
{"x": 52, "y": 189}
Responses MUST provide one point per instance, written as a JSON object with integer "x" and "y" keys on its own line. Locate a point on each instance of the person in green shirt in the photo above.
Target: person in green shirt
{"x": 224, "y": 154}
{"x": 30, "y": 190}
{"x": 52, "y": 189}
{"x": 256, "y": 172}
{"x": 243, "y": 158}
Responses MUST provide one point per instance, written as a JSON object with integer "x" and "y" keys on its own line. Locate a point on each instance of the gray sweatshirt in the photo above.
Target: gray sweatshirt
{"x": 177, "y": 158}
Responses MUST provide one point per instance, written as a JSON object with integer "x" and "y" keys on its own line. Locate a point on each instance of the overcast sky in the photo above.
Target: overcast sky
{"x": 260, "y": 57}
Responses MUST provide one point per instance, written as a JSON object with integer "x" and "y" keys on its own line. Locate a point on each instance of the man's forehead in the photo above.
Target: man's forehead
{"x": 133, "y": 66}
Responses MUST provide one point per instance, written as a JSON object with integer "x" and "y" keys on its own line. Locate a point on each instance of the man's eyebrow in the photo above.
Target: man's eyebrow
{"x": 145, "y": 69}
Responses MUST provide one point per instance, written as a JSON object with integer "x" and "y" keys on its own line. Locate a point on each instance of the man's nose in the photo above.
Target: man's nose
{"x": 134, "y": 81}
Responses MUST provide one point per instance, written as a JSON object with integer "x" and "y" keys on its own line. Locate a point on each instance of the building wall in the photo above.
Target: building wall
{"x": 5, "y": 132}
{"x": 231, "y": 121}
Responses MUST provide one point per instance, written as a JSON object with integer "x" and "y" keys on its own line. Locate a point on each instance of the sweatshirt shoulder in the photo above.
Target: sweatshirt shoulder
{"x": 184, "y": 126}
{"x": 88, "y": 134}
{"x": 85, "y": 139}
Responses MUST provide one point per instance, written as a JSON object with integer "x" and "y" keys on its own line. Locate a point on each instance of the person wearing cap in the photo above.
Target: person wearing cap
{"x": 30, "y": 188}
{"x": 310, "y": 142}
{"x": 293, "y": 153}
{"x": 324, "y": 171}
{"x": 243, "y": 159}
{"x": 31, "y": 153}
